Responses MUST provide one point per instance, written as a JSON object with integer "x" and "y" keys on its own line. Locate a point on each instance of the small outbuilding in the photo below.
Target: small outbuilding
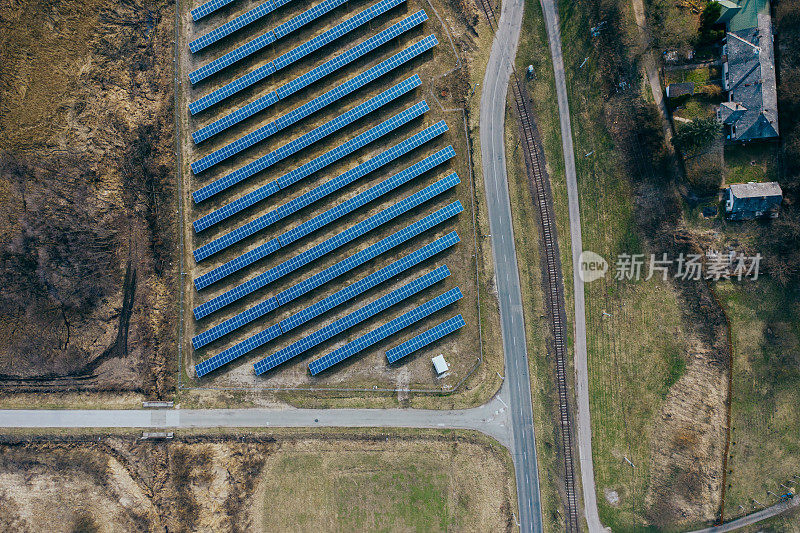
{"x": 440, "y": 365}
{"x": 675, "y": 90}
{"x": 747, "y": 201}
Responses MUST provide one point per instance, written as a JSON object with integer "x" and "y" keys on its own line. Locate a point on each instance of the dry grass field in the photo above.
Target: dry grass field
{"x": 447, "y": 92}
{"x": 263, "y": 482}
{"x": 87, "y": 198}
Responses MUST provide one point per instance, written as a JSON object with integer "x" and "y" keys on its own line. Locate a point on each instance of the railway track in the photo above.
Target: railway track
{"x": 553, "y": 283}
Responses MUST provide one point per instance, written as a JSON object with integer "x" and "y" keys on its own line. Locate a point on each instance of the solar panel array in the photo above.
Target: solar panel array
{"x": 307, "y": 169}
{"x": 314, "y": 105}
{"x": 317, "y": 309}
{"x": 370, "y": 252}
{"x": 368, "y": 282}
{"x": 325, "y": 247}
{"x": 330, "y": 216}
{"x": 236, "y": 24}
{"x": 356, "y": 317}
{"x": 423, "y": 339}
{"x": 384, "y": 331}
{"x": 346, "y": 118}
{"x": 325, "y": 218}
{"x": 306, "y": 79}
{"x": 263, "y": 40}
{"x": 208, "y": 8}
{"x": 317, "y": 280}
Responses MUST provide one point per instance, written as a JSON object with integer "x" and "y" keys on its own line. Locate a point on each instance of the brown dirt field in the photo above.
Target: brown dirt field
{"x": 263, "y": 482}
{"x": 87, "y": 263}
{"x": 446, "y": 96}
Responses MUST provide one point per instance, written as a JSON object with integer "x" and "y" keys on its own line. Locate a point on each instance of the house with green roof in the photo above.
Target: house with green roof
{"x": 748, "y": 71}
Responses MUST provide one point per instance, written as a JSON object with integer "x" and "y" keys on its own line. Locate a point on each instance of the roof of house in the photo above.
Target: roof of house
{"x": 751, "y": 81}
{"x": 756, "y": 190}
{"x": 680, "y": 89}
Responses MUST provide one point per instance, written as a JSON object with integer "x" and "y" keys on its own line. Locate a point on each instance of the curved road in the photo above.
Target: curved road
{"x": 492, "y": 121}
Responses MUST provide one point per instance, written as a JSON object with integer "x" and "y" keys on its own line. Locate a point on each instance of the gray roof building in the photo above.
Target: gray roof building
{"x": 748, "y": 71}
{"x": 746, "y": 201}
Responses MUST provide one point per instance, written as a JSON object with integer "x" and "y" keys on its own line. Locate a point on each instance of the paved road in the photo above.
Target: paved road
{"x": 751, "y": 519}
{"x": 492, "y": 120}
{"x": 490, "y": 418}
{"x": 581, "y": 364}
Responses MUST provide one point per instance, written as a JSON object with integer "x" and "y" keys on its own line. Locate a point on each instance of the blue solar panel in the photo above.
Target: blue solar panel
{"x": 384, "y": 331}
{"x": 237, "y": 350}
{"x": 352, "y": 54}
{"x": 346, "y": 118}
{"x": 356, "y": 317}
{"x": 423, "y": 339}
{"x": 320, "y": 192}
{"x": 325, "y": 218}
{"x": 368, "y": 282}
{"x": 263, "y": 40}
{"x": 325, "y": 247}
{"x": 233, "y": 323}
{"x": 370, "y": 252}
{"x": 229, "y": 27}
{"x": 208, "y": 8}
{"x": 313, "y": 105}
{"x": 340, "y": 268}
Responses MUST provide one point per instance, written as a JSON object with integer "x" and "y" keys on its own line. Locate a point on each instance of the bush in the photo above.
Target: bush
{"x": 696, "y": 134}
{"x": 710, "y": 31}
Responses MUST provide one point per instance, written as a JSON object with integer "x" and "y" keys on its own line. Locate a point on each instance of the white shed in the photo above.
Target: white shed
{"x": 440, "y": 365}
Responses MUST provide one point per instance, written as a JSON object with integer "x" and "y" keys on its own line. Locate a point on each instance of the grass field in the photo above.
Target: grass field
{"x": 387, "y": 485}
{"x": 765, "y": 321}
{"x": 262, "y": 480}
{"x": 636, "y": 343}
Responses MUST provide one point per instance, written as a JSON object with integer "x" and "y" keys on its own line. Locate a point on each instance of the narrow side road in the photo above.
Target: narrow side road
{"x": 492, "y": 136}
{"x": 583, "y": 417}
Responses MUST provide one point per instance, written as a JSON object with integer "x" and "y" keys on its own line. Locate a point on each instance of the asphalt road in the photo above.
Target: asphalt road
{"x": 581, "y": 363}
{"x": 492, "y": 120}
{"x": 490, "y": 418}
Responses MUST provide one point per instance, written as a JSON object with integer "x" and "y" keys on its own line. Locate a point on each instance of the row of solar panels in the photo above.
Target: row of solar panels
{"x": 352, "y": 319}
{"x": 342, "y": 296}
{"x": 307, "y": 139}
{"x": 236, "y": 24}
{"x": 208, "y": 8}
{"x": 325, "y": 247}
{"x": 309, "y": 77}
{"x": 327, "y": 217}
{"x": 334, "y": 271}
{"x": 425, "y": 338}
{"x": 314, "y": 105}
